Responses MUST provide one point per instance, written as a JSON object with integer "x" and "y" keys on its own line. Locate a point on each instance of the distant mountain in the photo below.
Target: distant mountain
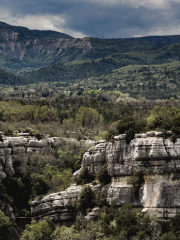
{"x": 35, "y": 56}
{"x": 22, "y": 49}
{"x": 14, "y": 32}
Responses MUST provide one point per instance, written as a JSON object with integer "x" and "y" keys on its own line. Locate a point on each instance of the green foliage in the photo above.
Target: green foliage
{"x": 68, "y": 159}
{"x": 88, "y": 117}
{"x": 100, "y": 199}
{"x": 3, "y": 194}
{"x": 57, "y": 180}
{"x": 169, "y": 236}
{"x": 4, "y": 226}
{"x": 161, "y": 117}
{"x": 129, "y": 135}
{"x": 38, "y": 231}
{"x": 86, "y": 199}
{"x": 103, "y": 176}
{"x": 65, "y": 233}
{"x": 84, "y": 177}
{"x": 137, "y": 181}
{"x": 39, "y": 185}
{"x": 125, "y": 223}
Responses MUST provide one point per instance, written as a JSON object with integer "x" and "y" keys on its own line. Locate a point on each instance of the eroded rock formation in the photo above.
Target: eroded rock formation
{"x": 24, "y": 144}
{"x": 153, "y": 155}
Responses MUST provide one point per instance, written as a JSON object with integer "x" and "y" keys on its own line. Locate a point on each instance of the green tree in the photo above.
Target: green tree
{"x": 57, "y": 180}
{"x": 65, "y": 233}
{"x": 86, "y": 199}
{"x": 38, "y": 231}
{"x": 88, "y": 117}
{"x": 103, "y": 176}
{"x": 84, "y": 177}
{"x": 4, "y": 226}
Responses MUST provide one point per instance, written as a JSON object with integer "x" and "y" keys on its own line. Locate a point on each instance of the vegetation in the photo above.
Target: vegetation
{"x": 4, "y": 226}
{"x": 126, "y": 223}
{"x": 38, "y": 231}
{"x": 103, "y": 176}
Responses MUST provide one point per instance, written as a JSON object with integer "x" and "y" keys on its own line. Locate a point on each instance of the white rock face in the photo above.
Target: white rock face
{"x": 151, "y": 155}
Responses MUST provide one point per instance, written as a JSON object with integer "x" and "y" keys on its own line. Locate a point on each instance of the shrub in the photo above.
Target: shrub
{"x": 103, "y": 176}
{"x": 84, "y": 177}
{"x": 129, "y": 135}
{"x": 100, "y": 199}
{"x": 65, "y": 233}
{"x": 38, "y": 231}
{"x": 85, "y": 200}
{"x": 4, "y": 226}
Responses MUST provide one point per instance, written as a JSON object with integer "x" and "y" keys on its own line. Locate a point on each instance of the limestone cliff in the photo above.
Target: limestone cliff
{"x": 21, "y": 146}
{"x": 152, "y": 155}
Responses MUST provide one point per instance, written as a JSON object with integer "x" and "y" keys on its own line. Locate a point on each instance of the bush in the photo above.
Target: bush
{"x": 65, "y": 233}
{"x": 4, "y": 226}
{"x": 100, "y": 199}
{"x": 86, "y": 199}
{"x": 84, "y": 177}
{"x": 103, "y": 176}
{"x": 38, "y": 231}
{"x": 40, "y": 185}
{"x": 129, "y": 135}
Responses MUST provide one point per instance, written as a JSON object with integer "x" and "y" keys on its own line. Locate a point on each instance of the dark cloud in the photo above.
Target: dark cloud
{"x": 100, "y": 18}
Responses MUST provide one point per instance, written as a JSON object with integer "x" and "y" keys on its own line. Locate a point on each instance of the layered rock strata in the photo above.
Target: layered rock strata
{"x": 19, "y": 147}
{"x": 151, "y": 155}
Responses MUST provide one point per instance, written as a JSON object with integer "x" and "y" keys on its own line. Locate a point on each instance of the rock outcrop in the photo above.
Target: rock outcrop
{"x": 151, "y": 155}
{"x": 19, "y": 147}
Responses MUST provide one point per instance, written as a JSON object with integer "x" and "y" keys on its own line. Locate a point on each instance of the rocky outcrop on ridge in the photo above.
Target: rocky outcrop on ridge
{"x": 152, "y": 155}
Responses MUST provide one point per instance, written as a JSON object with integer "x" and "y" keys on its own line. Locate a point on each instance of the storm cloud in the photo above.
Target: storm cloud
{"x": 96, "y": 18}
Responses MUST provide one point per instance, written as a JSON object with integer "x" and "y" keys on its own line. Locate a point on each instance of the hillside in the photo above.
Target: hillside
{"x": 22, "y": 49}
{"x": 11, "y": 79}
{"x": 142, "y": 67}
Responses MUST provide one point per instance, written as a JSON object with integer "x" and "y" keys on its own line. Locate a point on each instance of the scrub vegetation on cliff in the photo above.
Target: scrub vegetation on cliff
{"x": 125, "y": 223}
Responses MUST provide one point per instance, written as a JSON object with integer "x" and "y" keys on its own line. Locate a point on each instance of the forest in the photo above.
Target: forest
{"x": 90, "y": 117}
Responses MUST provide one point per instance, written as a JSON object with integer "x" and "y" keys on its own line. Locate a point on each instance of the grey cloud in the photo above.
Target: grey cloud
{"x": 97, "y": 18}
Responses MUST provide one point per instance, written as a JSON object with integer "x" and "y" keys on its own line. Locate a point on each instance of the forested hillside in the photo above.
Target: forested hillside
{"x": 140, "y": 67}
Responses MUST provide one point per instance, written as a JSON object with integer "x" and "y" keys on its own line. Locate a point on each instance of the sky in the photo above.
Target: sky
{"x": 95, "y": 18}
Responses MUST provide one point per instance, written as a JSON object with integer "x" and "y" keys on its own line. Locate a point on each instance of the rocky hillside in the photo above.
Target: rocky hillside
{"x": 144, "y": 173}
{"x": 22, "y": 49}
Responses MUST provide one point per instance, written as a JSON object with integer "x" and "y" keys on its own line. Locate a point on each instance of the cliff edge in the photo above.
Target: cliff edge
{"x": 153, "y": 156}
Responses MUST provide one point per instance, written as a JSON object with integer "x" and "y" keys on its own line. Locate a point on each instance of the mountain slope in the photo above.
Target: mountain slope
{"x": 14, "y": 32}
{"x": 95, "y": 68}
{"x": 11, "y": 79}
{"x": 22, "y": 49}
